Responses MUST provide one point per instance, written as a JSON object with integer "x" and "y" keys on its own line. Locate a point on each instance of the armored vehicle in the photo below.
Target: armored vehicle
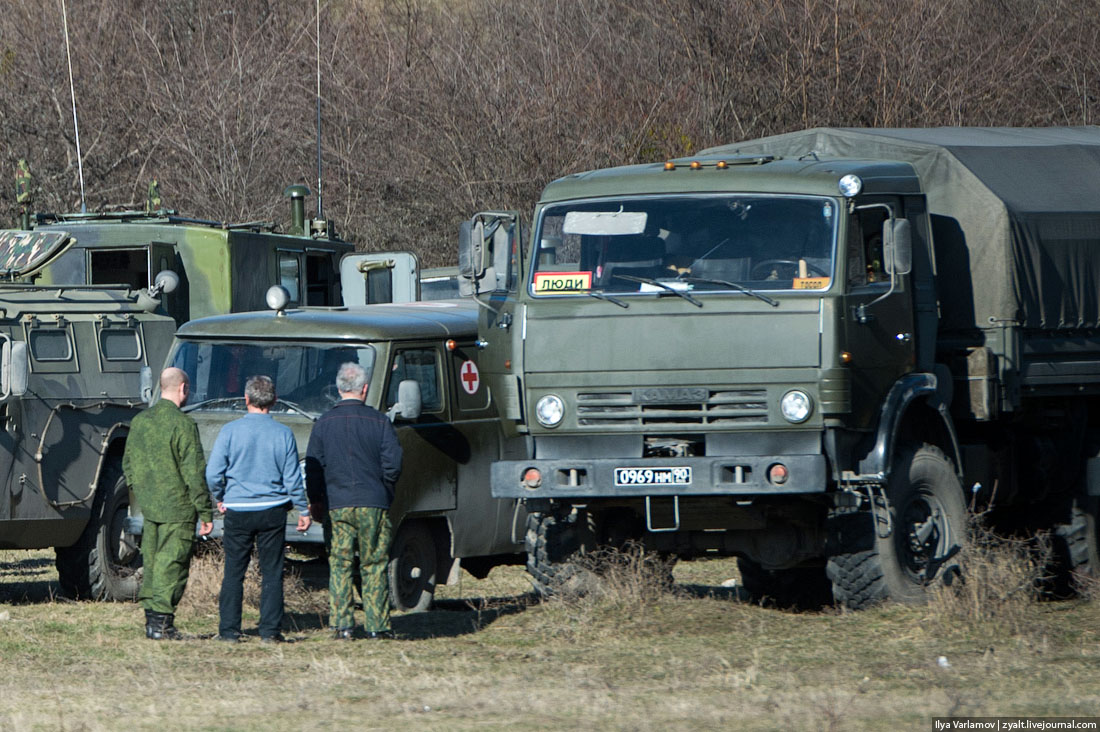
{"x": 424, "y": 366}
{"x": 223, "y": 267}
{"x": 71, "y": 380}
{"x": 799, "y": 350}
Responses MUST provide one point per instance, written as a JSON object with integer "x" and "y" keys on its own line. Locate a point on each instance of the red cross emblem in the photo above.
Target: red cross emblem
{"x": 469, "y": 377}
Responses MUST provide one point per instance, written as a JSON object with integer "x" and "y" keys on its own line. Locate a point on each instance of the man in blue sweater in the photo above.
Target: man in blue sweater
{"x": 352, "y": 465}
{"x": 254, "y": 476}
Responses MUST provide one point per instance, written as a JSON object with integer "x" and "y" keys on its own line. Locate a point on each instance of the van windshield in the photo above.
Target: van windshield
{"x": 304, "y": 374}
{"x": 690, "y": 243}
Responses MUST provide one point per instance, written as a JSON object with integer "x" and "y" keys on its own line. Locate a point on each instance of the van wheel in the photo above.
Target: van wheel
{"x": 927, "y": 513}
{"x": 105, "y": 562}
{"x": 412, "y": 568}
{"x": 555, "y": 543}
{"x": 803, "y": 588}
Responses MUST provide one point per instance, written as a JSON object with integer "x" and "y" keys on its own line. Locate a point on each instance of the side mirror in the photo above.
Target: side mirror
{"x": 408, "y": 401}
{"x": 485, "y": 245}
{"x": 897, "y": 246}
{"x": 147, "y": 385}
{"x": 15, "y": 368}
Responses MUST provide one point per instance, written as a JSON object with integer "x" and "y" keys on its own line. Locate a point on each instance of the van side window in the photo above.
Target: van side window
{"x": 422, "y": 366}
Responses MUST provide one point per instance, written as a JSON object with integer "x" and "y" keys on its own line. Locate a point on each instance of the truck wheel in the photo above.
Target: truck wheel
{"x": 804, "y": 588}
{"x": 928, "y": 518}
{"x": 1075, "y": 548}
{"x": 105, "y": 563}
{"x": 412, "y": 568}
{"x": 554, "y": 543}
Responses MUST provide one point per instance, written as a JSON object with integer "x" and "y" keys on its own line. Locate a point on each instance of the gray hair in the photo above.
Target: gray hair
{"x": 351, "y": 378}
{"x": 260, "y": 391}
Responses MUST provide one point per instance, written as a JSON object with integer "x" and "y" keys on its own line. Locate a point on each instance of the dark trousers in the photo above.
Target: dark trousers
{"x": 241, "y": 530}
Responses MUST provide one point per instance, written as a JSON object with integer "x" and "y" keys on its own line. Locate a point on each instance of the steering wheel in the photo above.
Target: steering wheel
{"x": 760, "y": 269}
{"x": 330, "y": 394}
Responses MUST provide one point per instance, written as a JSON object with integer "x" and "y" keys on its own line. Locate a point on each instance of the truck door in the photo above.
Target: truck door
{"x": 366, "y": 279}
{"x": 879, "y": 328}
{"x": 431, "y": 446}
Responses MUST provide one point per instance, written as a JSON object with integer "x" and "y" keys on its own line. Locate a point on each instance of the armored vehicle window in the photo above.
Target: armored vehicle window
{"x": 120, "y": 266}
{"x": 690, "y": 243}
{"x": 120, "y": 344}
{"x": 290, "y": 274}
{"x": 304, "y": 374}
{"x": 51, "y": 345}
{"x": 320, "y": 279}
{"x": 422, "y": 366}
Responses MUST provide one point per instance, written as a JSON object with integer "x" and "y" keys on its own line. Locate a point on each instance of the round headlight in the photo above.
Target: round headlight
{"x": 850, "y": 185}
{"x": 797, "y": 406}
{"x": 549, "y": 410}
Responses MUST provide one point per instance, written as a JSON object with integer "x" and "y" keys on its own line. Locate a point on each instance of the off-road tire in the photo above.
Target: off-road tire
{"x": 104, "y": 563}
{"x": 555, "y": 542}
{"x": 928, "y": 517}
{"x": 412, "y": 568}
{"x": 802, "y": 588}
{"x": 1076, "y": 553}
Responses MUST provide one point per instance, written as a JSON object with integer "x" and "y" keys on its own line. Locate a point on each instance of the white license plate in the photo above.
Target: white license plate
{"x": 652, "y": 476}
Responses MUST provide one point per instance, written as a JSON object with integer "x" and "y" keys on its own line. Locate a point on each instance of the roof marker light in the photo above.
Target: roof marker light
{"x": 696, "y": 165}
{"x": 669, "y": 165}
{"x": 721, "y": 165}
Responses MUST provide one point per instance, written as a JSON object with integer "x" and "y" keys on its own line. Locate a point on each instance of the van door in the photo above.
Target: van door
{"x": 366, "y": 279}
{"x": 431, "y": 447}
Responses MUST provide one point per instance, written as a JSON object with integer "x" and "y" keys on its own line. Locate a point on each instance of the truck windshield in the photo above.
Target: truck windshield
{"x": 690, "y": 243}
{"x": 304, "y": 374}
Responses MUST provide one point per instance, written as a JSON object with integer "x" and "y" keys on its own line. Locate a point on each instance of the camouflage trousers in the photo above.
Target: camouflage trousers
{"x": 369, "y": 531}
{"x": 166, "y": 558}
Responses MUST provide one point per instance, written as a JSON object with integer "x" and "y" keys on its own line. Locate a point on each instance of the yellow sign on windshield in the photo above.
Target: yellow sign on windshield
{"x": 547, "y": 283}
{"x": 810, "y": 283}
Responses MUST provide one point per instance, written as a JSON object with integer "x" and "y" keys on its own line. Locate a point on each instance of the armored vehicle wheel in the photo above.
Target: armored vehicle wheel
{"x": 805, "y": 588}
{"x": 554, "y": 543}
{"x": 105, "y": 563}
{"x": 927, "y": 522}
{"x": 412, "y": 568}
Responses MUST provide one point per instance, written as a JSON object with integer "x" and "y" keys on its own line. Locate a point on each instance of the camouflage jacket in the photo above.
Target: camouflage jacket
{"x": 164, "y": 465}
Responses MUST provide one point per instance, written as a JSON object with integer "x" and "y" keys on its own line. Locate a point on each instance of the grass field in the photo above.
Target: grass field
{"x": 639, "y": 657}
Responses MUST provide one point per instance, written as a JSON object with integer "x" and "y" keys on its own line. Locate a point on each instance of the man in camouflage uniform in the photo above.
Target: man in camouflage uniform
{"x": 352, "y": 464}
{"x": 164, "y": 466}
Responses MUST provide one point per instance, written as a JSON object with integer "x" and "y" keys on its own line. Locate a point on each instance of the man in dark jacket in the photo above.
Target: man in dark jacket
{"x": 164, "y": 466}
{"x": 353, "y": 462}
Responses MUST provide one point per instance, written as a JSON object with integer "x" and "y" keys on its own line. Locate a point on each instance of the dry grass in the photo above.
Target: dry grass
{"x": 1001, "y": 588}
{"x": 639, "y": 657}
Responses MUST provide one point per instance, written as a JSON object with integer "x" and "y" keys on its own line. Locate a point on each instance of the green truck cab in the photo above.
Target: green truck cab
{"x": 798, "y": 350}
{"x": 74, "y": 372}
{"x": 422, "y": 359}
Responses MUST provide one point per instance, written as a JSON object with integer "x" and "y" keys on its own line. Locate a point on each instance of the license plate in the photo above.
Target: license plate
{"x": 652, "y": 476}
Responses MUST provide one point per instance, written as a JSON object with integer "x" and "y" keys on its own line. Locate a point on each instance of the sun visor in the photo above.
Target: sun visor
{"x": 23, "y": 253}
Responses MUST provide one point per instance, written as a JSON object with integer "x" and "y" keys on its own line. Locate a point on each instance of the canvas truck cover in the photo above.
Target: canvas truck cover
{"x": 1015, "y": 214}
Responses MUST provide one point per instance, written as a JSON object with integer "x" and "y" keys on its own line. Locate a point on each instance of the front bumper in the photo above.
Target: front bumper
{"x": 745, "y": 475}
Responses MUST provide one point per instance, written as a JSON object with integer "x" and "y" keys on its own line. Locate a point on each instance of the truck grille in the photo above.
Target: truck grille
{"x": 725, "y": 407}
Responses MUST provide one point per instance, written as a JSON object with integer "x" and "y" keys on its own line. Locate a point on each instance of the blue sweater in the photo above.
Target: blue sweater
{"x": 254, "y": 465}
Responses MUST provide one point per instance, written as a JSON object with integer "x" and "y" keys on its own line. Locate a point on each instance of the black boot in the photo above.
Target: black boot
{"x": 163, "y": 627}
{"x": 150, "y": 623}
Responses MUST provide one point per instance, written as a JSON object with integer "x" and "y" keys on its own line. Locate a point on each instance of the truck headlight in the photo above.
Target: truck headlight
{"x": 549, "y": 410}
{"x": 797, "y": 406}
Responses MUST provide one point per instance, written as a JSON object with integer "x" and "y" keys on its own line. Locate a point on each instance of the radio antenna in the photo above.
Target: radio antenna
{"x": 320, "y": 208}
{"x": 72, "y": 94}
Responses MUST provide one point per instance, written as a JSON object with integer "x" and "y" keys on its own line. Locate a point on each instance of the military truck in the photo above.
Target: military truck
{"x": 71, "y": 378}
{"x": 816, "y": 351}
{"x": 423, "y": 361}
{"x": 223, "y": 267}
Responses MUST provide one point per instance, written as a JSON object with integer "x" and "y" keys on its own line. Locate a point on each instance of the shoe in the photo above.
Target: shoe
{"x": 381, "y": 635}
{"x": 162, "y": 627}
{"x": 150, "y": 624}
{"x": 277, "y": 638}
{"x": 230, "y": 637}
{"x": 343, "y": 634}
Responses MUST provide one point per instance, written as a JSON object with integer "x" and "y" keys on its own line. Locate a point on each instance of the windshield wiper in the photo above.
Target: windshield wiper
{"x": 657, "y": 283}
{"x": 208, "y": 402}
{"x": 295, "y": 408}
{"x": 600, "y": 295}
{"x": 734, "y": 285}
